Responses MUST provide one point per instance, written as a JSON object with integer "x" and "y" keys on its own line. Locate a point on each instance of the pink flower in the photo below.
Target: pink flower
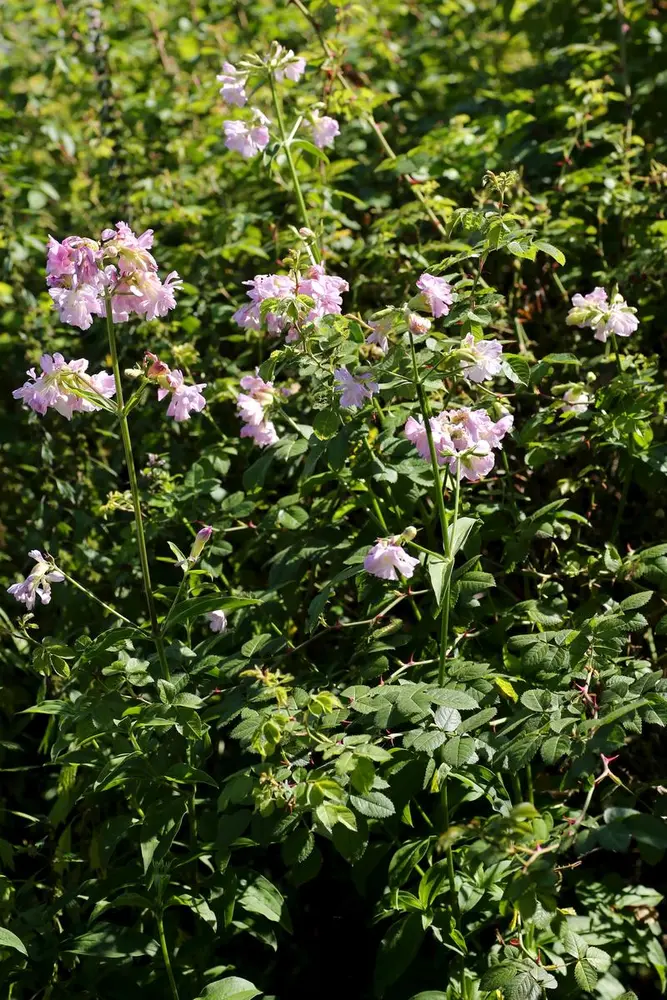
{"x": 263, "y": 434}
{"x": 387, "y": 557}
{"x": 185, "y": 399}
{"x": 247, "y": 140}
{"x": 325, "y": 130}
{"x": 156, "y": 297}
{"x": 463, "y": 439}
{"x": 595, "y": 312}
{"x": 326, "y": 290}
{"x": 575, "y": 400}
{"x": 437, "y": 292}
{"x": 217, "y": 621}
{"x": 250, "y": 410}
{"x": 60, "y": 385}
{"x": 78, "y": 305}
{"x": 233, "y": 84}
{"x": 483, "y": 359}
{"x": 38, "y": 583}
{"x": 264, "y": 286}
{"x": 354, "y": 389}
{"x": 293, "y": 67}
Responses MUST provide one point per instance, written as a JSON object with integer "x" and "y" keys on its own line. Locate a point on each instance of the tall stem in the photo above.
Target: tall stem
{"x": 134, "y": 490}
{"x": 440, "y": 506}
{"x": 619, "y": 366}
{"x": 166, "y": 958}
{"x": 290, "y": 162}
{"x": 93, "y": 597}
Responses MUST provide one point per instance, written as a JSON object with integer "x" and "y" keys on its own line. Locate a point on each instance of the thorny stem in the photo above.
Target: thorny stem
{"x": 286, "y": 144}
{"x": 442, "y": 514}
{"x": 134, "y": 489}
{"x": 166, "y": 958}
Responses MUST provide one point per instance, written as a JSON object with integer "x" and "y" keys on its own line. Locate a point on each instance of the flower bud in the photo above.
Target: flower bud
{"x": 418, "y": 324}
{"x": 155, "y": 368}
{"x": 200, "y": 541}
{"x": 307, "y": 233}
{"x": 409, "y": 533}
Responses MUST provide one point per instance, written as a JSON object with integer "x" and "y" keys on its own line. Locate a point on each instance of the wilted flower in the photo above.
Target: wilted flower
{"x": 480, "y": 359}
{"x": 217, "y": 621}
{"x": 325, "y": 129}
{"x": 575, "y": 400}
{"x": 595, "y": 312}
{"x": 64, "y": 386}
{"x": 233, "y": 85}
{"x": 387, "y": 557}
{"x": 248, "y": 140}
{"x": 437, "y": 292}
{"x": 463, "y": 439}
{"x": 38, "y": 583}
{"x": 418, "y": 324}
{"x": 354, "y": 389}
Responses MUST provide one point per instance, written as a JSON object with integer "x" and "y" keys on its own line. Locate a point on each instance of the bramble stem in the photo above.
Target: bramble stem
{"x": 134, "y": 489}
{"x": 286, "y": 144}
{"x": 166, "y": 958}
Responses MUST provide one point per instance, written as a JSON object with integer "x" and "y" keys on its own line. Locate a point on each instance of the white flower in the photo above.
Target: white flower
{"x": 217, "y": 621}
{"x": 484, "y": 358}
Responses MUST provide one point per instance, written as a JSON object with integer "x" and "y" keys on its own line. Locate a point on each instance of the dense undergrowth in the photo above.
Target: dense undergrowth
{"x": 394, "y": 727}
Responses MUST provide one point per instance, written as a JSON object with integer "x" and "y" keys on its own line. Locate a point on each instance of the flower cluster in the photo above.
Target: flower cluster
{"x": 65, "y": 386}
{"x": 596, "y": 312}
{"x": 81, "y": 273}
{"x": 326, "y": 291}
{"x": 463, "y": 439}
{"x": 38, "y": 583}
{"x": 354, "y": 389}
{"x": 251, "y": 404}
{"x": 184, "y": 399}
{"x": 437, "y": 293}
{"x": 480, "y": 359}
{"x": 386, "y": 559}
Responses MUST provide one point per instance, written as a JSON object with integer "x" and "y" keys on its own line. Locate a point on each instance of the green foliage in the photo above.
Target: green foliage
{"x": 451, "y": 789}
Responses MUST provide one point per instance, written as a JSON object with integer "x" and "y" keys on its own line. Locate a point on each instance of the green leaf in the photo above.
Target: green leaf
{"x": 261, "y": 896}
{"x": 231, "y": 988}
{"x": 374, "y": 805}
{"x": 440, "y": 573}
{"x": 326, "y": 423}
{"x": 585, "y": 975}
{"x": 404, "y": 861}
{"x": 636, "y": 600}
{"x": 397, "y": 951}
{"x": 519, "y": 369}
{"x": 550, "y": 250}
{"x": 459, "y": 750}
{"x": 9, "y": 940}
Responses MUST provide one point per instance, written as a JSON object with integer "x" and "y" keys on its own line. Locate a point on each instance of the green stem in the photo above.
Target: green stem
{"x": 166, "y": 958}
{"x": 440, "y": 506}
{"x": 529, "y": 785}
{"x": 134, "y": 489}
{"x": 286, "y": 144}
{"x": 93, "y": 597}
{"x": 616, "y": 353}
{"x": 454, "y": 899}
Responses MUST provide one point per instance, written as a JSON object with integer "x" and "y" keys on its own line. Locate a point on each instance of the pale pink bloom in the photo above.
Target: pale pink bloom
{"x": 598, "y": 297}
{"x": 418, "y": 324}
{"x": 72, "y": 262}
{"x": 387, "y": 557}
{"x": 487, "y": 355}
{"x": 250, "y": 410}
{"x": 217, "y": 621}
{"x": 378, "y": 337}
{"x": 78, "y": 305}
{"x": 56, "y": 387}
{"x": 256, "y": 386}
{"x": 248, "y": 316}
{"x": 233, "y": 85}
{"x": 475, "y": 463}
{"x": 247, "y": 140}
{"x": 354, "y": 389}
{"x": 415, "y": 431}
{"x": 326, "y": 290}
{"x": 38, "y": 583}
{"x": 185, "y": 399}
{"x": 462, "y": 439}
{"x": 437, "y": 292}
{"x": 293, "y": 68}
{"x": 292, "y": 335}
{"x": 263, "y": 434}
{"x": 621, "y": 319}
{"x": 325, "y": 129}
{"x": 575, "y": 400}
{"x": 261, "y": 287}
{"x": 157, "y": 297}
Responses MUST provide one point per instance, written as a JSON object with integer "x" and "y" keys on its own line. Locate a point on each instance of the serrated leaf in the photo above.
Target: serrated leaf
{"x": 374, "y": 805}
